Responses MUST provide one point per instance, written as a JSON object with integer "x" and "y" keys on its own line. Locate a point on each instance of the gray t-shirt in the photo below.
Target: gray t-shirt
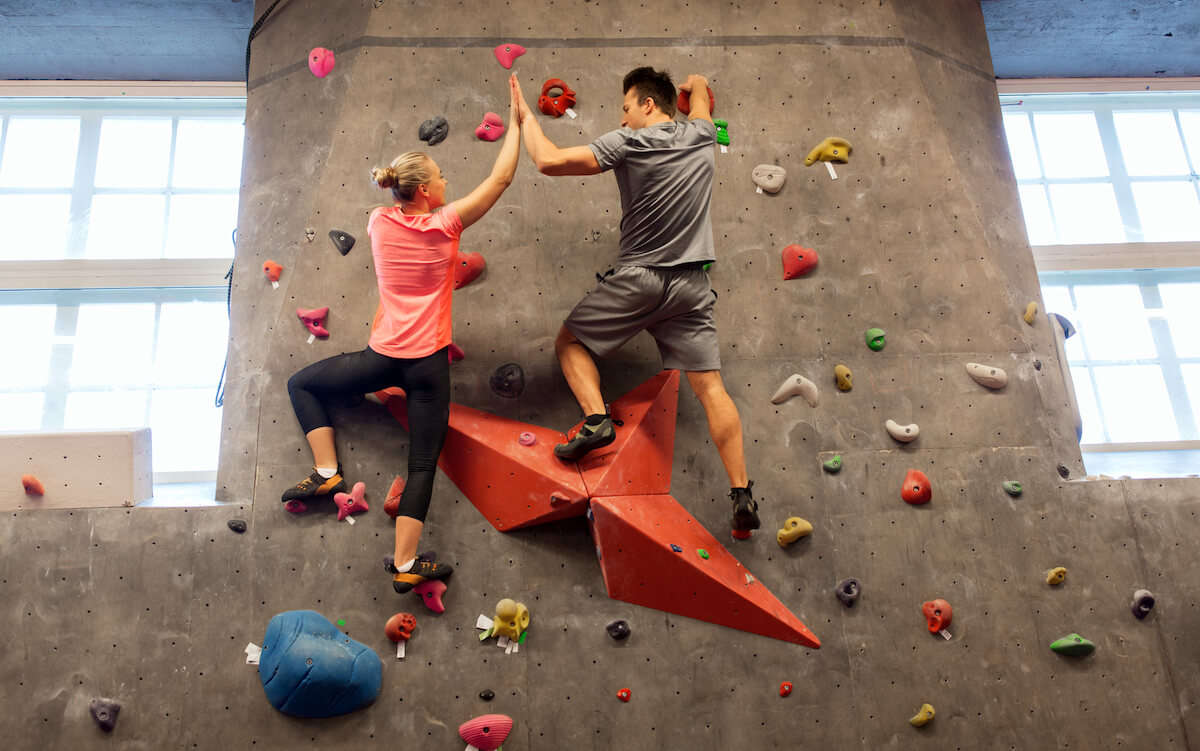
{"x": 665, "y": 174}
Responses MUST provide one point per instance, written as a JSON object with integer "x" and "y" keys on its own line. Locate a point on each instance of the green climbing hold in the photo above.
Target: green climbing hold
{"x": 874, "y": 339}
{"x": 1074, "y": 645}
{"x": 702, "y": 553}
{"x": 341, "y": 622}
{"x": 722, "y": 132}
{"x": 833, "y": 465}
{"x": 707, "y": 266}
{"x": 1013, "y": 488}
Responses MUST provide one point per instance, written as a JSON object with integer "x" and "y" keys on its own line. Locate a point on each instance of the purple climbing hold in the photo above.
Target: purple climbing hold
{"x": 848, "y": 591}
{"x": 237, "y": 525}
{"x": 618, "y": 630}
{"x": 508, "y": 380}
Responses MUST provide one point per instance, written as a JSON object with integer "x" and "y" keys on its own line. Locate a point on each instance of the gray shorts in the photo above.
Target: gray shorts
{"x": 674, "y": 305}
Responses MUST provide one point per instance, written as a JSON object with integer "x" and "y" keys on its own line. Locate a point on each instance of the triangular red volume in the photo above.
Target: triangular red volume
{"x": 639, "y": 461}
{"x": 511, "y": 484}
{"x": 634, "y": 535}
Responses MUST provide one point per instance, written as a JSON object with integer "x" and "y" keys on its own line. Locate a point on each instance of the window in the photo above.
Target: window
{"x": 1109, "y": 184}
{"x": 116, "y": 231}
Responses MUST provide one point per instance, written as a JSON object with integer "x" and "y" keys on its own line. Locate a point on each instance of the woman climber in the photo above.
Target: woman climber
{"x": 414, "y": 246}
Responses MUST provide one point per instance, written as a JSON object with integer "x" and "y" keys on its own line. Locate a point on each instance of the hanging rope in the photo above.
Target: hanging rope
{"x": 220, "y": 400}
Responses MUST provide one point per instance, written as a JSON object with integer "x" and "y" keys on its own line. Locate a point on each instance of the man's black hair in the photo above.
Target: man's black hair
{"x": 648, "y": 82}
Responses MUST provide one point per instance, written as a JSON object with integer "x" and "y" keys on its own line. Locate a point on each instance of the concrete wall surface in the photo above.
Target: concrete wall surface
{"x": 920, "y": 234}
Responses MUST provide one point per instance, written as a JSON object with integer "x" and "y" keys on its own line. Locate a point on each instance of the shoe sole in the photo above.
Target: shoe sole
{"x": 579, "y": 453}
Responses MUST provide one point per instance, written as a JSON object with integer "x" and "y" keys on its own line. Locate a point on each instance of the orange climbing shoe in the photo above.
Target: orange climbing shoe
{"x": 422, "y": 570}
{"x": 313, "y": 485}
{"x": 745, "y": 510}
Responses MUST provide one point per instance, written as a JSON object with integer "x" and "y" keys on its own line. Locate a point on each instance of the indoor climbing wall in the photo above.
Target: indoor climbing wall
{"x": 918, "y": 234}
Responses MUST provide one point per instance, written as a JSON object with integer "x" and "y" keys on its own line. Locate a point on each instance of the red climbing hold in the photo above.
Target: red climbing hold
{"x": 296, "y": 506}
{"x": 314, "y": 320}
{"x": 632, "y": 535}
{"x": 467, "y": 268}
{"x": 491, "y": 128}
{"x": 33, "y": 486}
{"x": 684, "y": 103}
{"x": 430, "y": 592}
{"x": 400, "y": 626}
{"x": 798, "y": 261}
{"x": 938, "y": 615}
{"x": 272, "y": 270}
{"x": 785, "y": 688}
{"x": 639, "y": 461}
{"x": 916, "y": 488}
{"x": 624, "y": 694}
{"x": 353, "y": 502}
{"x": 555, "y": 105}
{"x": 486, "y": 732}
{"x": 392, "y": 503}
{"x": 320, "y": 61}
{"x": 507, "y": 53}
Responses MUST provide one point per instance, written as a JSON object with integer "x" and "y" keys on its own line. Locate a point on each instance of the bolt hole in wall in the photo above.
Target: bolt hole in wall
{"x": 1109, "y": 182}
{"x": 116, "y": 221}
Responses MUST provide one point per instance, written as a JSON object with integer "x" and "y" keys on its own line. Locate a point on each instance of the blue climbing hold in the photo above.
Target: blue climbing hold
{"x": 311, "y": 669}
{"x": 676, "y": 548}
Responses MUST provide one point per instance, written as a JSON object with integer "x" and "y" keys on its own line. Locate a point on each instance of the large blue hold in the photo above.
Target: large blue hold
{"x": 311, "y": 669}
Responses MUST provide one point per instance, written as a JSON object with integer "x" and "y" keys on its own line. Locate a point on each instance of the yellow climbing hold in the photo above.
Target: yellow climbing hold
{"x": 1056, "y": 576}
{"x": 1030, "y": 313}
{"x": 512, "y": 618}
{"x": 841, "y": 374}
{"x": 922, "y": 717}
{"x": 830, "y": 150}
{"x": 793, "y": 529}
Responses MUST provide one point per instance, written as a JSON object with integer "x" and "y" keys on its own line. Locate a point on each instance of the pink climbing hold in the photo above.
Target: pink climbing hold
{"x": 526, "y": 438}
{"x": 353, "y": 502}
{"x": 455, "y": 352}
{"x": 798, "y": 261}
{"x": 467, "y": 268}
{"x": 430, "y": 591}
{"x": 491, "y": 128}
{"x": 320, "y": 61}
{"x": 486, "y": 732}
{"x": 314, "y": 320}
{"x": 507, "y": 53}
{"x": 296, "y": 506}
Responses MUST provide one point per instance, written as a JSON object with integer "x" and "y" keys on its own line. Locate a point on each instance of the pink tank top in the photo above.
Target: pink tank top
{"x": 414, "y": 262}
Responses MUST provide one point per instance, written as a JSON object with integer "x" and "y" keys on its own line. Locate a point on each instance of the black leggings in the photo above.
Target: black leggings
{"x": 426, "y": 383}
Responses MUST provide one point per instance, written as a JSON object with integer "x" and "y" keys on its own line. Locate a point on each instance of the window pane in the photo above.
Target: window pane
{"x": 30, "y": 333}
{"x": 1150, "y": 143}
{"x": 125, "y": 227}
{"x": 39, "y": 152}
{"x": 105, "y": 410}
{"x": 1169, "y": 212}
{"x": 1070, "y": 145}
{"x": 21, "y": 412}
{"x": 201, "y": 226}
{"x": 134, "y": 153}
{"x": 113, "y": 345}
{"x": 1087, "y": 214}
{"x": 34, "y": 228}
{"x": 191, "y": 344}
{"x": 1089, "y": 411}
{"x": 1191, "y": 379}
{"x": 1135, "y": 403}
{"x": 1036, "y": 208}
{"x": 1058, "y": 300}
{"x": 208, "y": 154}
{"x": 1181, "y": 302}
{"x": 185, "y": 429}
{"x": 1189, "y": 120}
{"x": 1112, "y": 320}
{"x": 1020, "y": 146}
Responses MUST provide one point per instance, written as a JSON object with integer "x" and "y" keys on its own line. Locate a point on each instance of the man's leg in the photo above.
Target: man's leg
{"x": 724, "y": 423}
{"x": 580, "y": 370}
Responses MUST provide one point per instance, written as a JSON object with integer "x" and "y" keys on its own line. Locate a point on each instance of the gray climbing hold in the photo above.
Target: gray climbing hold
{"x": 987, "y": 375}
{"x": 848, "y": 591}
{"x": 508, "y": 380}
{"x": 796, "y": 385}
{"x": 1063, "y": 471}
{"x": 433, "y": 131}
{"x": 769, "y": 177}
{"x": 1143, "y": 603}
{"x": 902, "y": 433}
{"x": 487, "y": 694}
{"x": 104, "y": 712}
{"x": 342, "y": 240}
{"x": 237, "y": 525}
{"x": 310, "y": 233}
{"x": 618, "y": 630}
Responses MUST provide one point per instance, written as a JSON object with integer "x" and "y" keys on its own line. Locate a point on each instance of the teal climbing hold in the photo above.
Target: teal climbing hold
{"x": 874, "y": 339}
{"x": 833, "y": 465}
{"x": 1073, "y": 645}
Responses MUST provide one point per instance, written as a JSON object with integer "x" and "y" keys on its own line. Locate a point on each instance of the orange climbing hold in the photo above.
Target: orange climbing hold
{"x": 272, "y": 270}
{"x": 33, "y": 486}
{"x": 916, "y": 488}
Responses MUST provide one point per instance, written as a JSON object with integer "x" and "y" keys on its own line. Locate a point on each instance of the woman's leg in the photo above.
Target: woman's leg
{"x": 427, "y": 388}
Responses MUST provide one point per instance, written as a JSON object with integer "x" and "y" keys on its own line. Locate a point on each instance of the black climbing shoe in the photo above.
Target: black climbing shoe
{"x": 745, "y": 509}
{"x": 424, "y": 569}
{"x": 589, "y": 438}
{"x": 314, "y": 484}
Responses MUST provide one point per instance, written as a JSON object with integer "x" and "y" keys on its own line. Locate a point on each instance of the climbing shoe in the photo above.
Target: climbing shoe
{"x": 745, "y": 509}
{"x": 422, "y": 570}
{"x": 589, "y": 438}
{"x": 314, "y": 484}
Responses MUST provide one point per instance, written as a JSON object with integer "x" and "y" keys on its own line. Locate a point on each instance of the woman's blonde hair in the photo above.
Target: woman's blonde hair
{"x": 404, "y": 175}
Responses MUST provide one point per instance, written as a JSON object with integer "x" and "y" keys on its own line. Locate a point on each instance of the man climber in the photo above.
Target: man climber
{"x": 664, "y": 171}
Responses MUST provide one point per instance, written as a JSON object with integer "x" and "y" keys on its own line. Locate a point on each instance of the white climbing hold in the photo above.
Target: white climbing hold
{"x": 902, "y": 433}
{"x": 987, "y": 375}
{"x": 796, "y": 385}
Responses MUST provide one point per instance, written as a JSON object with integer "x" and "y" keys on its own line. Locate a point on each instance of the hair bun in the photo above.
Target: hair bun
{"x": 384, "y": 177}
